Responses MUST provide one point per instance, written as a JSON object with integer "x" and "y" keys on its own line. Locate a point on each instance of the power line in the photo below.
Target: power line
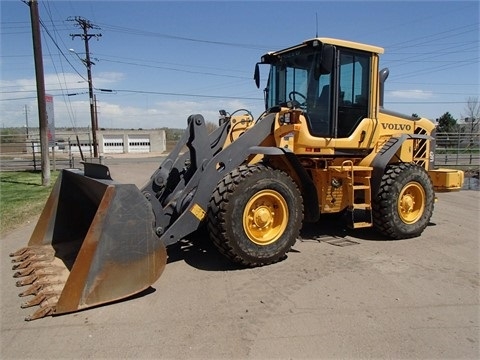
{"x": 434, "y": 69}
{"x": 59, "y": 49}
{"x": 437, "y": 36}
{"x": 175, "y": 69}
{"x": 138, "y": 32}
{"x": 186, "y": 95}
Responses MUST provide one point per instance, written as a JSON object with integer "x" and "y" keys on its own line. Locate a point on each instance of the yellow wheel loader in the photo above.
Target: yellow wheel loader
{"x": 325, "y": 144}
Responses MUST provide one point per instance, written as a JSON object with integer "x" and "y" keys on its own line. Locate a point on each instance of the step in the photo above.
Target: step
{"x": 362, "y": 206}
{"x": 362, "y": 224}
{"x": 361, "y": 187}
{"x": 361, "y": 218}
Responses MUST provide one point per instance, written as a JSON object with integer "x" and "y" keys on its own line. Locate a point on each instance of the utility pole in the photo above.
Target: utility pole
{"x": 42, "y": 107}
{"x": 87, "y": 25}
{"x": 96, "y": 112}
{"x": 26, "y": 119}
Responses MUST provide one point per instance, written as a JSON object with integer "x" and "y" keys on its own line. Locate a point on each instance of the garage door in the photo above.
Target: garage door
{"x": 112, "y": 144}
{"x": 139, "y": 143}
{"x": 85, "y": 146}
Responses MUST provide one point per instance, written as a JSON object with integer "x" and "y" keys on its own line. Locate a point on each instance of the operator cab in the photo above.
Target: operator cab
{"x": 330, "y": 80}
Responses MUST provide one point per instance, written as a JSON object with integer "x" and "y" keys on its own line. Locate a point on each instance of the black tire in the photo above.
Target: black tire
{"x": 404, "y": 204}
{"x": 255, "y": 215}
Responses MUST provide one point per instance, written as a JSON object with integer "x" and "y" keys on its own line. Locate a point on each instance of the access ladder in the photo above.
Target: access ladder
{"x": 357, "y": 181}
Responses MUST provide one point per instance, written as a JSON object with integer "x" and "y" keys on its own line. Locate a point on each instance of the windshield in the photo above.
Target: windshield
{"x": 293, "y": 79}
{"x": 289, "y": 77}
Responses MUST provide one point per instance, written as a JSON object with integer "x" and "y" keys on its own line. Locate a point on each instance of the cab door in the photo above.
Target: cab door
{"x": 353, "y": 91}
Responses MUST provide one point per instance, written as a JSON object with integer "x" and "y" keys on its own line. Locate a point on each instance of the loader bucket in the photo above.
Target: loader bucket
{"x": 94, "y": 243}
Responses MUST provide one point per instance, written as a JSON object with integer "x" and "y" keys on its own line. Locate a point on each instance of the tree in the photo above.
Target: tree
{"x": 473, "y": 117}
{"x": 446, "y": 123}
{"x": 211, "y": 126}
{"x": 472, "y": 114}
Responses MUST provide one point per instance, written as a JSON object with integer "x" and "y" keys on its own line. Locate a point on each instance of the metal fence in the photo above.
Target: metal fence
{"x": 458, "y": 150}
{"x": 453, "y": 150}
{"x": 19, "y": 152}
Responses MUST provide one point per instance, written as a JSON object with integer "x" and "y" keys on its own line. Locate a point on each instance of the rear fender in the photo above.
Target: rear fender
{"x": 385, "y": 155}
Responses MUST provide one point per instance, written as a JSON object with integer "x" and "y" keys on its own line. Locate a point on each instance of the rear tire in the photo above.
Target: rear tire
{"x": 255, "y": 215}
{"x": 404, "y": 204}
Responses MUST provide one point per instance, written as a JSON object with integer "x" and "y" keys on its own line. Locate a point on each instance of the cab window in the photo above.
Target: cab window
{"x": 353, "y": 91}
{"x": 287, "y": 84}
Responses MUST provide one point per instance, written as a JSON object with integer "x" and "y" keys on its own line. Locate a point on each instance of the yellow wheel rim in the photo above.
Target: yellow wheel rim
{"x": 265, "y": 217}
{"x": 411, "y": 202}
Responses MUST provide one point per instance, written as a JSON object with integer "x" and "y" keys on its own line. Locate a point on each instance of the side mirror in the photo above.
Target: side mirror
{"x": 325, "y": 64}
{"x": 256, "y": 75}
{"x": 223, "y": 117}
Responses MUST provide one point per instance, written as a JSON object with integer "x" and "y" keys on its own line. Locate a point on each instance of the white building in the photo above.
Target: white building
{"x": 116, "y": 142}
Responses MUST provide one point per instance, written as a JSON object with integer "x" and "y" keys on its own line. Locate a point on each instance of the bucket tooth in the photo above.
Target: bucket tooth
{"x": 35, "y": 249}
{"x": 47, "y": 300}
{"x": 28, "y": 280}
{"x": 38, "y": 268}
{"x": 24, "y": 257}
{"x": 20, "y": 252}
{"x": 47, "y": 275}
{"x": 43, "y": 286}
{"x": 32, "y": 290}
{"x": 36, "y": 300}
{"x": 35, "y": 263}
{"x": 24, "y": 272}
{"x": 29, "y": 269}
{"x": 34, "y": 254}
{"x": 21, "y": 265}
{"x": 42, "y": 312}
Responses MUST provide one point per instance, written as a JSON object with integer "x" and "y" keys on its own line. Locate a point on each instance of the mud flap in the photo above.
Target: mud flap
{"x": 94, "y": 243}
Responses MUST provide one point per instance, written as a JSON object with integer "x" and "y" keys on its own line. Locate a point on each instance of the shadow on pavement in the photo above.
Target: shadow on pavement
{"x": 199, "y": 252}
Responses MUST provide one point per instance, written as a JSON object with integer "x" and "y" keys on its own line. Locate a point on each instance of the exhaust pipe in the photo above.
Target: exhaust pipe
{"x": 383, "y": 75}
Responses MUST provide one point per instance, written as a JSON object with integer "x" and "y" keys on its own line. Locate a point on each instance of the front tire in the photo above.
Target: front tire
{"x": 404, "y": 204}
{"x": 255, "y": 215}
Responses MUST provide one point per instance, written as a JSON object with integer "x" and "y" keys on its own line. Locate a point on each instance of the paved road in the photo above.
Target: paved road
{"x": 416, "y": 298}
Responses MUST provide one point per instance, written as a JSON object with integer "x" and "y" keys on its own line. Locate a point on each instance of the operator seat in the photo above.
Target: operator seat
{"x": 319, "y": 114}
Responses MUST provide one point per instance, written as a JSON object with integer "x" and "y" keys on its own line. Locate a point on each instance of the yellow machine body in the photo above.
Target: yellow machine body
{"x": 325, "y": 144}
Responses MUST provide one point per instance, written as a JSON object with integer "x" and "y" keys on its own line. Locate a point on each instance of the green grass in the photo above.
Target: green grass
{"x": 22, "y": 197}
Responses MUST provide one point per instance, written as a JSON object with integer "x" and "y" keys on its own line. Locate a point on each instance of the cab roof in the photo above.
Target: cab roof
{"x": 335, "y": 42}
{"x": 349, "y": 44}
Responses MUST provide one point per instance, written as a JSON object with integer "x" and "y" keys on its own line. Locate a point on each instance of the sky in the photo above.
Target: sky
{"x": 162, "y": 61}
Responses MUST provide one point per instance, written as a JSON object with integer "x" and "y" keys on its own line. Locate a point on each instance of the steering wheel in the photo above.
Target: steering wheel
{"x": 294, "y": 93}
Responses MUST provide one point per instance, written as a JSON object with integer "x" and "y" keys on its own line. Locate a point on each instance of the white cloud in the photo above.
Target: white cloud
{"x": 114, "y": 111}
{"x": 107, "y": 78}
{"x": 172, "y": 113}
{"x": 410, "y": 94}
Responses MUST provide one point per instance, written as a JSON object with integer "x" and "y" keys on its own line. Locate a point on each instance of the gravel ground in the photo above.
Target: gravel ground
{"x": 340, "y": 294}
